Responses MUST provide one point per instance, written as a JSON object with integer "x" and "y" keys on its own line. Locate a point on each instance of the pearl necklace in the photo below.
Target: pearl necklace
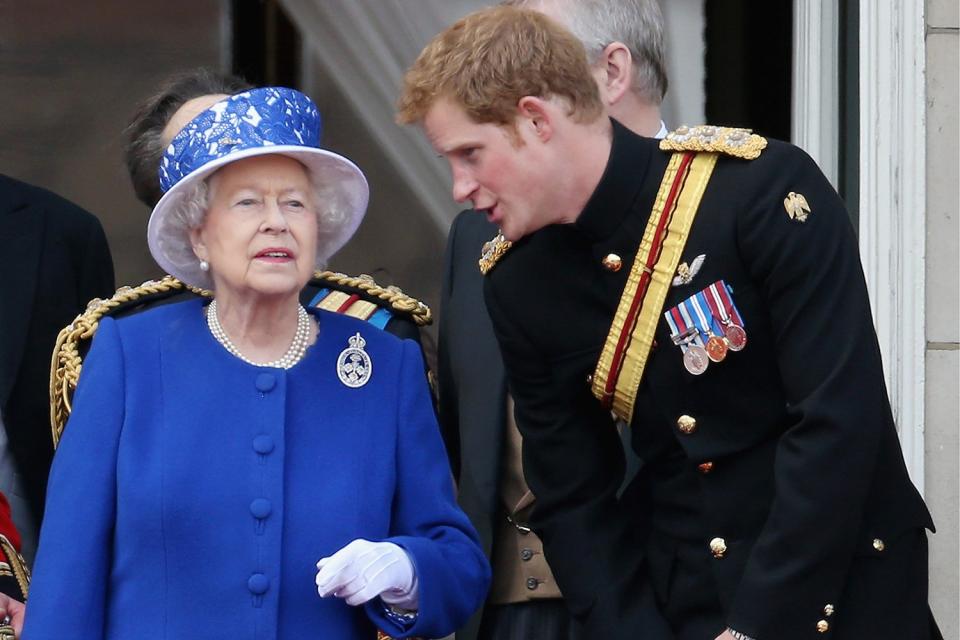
{"x": 294, "y": 352}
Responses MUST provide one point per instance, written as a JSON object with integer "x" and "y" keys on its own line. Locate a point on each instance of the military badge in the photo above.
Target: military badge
{"x": 492, "y": 251}
{"x": 354, "y": 366}
{"x": 706, "y": 326}
{"x": 796, "y": 206}
{"x": 687, "y": 272}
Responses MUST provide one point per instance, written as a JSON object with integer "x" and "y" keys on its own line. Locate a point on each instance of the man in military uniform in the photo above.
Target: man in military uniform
{"x": 624, "y": 41}
{"x": 708, "y": 290}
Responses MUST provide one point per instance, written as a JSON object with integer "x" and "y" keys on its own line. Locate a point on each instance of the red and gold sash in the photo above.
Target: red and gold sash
{"x": 616, "y": 378}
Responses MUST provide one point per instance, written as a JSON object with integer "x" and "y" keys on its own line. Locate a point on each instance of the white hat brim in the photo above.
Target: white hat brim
{"x": 347, "y": 194}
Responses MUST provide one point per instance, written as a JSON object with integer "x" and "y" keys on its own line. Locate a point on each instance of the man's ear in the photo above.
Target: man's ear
{"x": 538, "y": 114}
{"x": 614, "y": 72}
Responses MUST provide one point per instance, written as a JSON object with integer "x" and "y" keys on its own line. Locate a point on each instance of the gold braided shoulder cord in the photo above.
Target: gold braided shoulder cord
{"x": 397, "y": 299}
{"x": 66, "y": 363}
{"x": 18, "y": 566}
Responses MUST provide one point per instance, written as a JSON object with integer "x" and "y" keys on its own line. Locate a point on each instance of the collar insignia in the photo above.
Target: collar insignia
{"x": 492, "y": 251}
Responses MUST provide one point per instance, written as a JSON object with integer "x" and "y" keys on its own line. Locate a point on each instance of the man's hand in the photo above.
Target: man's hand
{"x": 13, "y": 609}
{"x": 725, "y": 636}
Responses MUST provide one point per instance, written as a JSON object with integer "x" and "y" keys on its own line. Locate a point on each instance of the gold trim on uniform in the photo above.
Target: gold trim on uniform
{"x": 492, "y": 251}
{"x": 739, "y": 143}
{"x": 17, "y": 565}
{"x": 641, "y": 335}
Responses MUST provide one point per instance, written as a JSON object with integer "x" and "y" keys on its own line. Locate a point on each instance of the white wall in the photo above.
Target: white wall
{"x": 942, "y": 305}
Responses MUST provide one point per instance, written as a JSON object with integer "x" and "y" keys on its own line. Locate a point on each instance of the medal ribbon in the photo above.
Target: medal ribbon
{"x": 624, "y": 356}
{"x": 721, "y": 303}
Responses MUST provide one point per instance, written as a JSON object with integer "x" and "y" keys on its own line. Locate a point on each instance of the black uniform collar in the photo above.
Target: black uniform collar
{"x": 619, "y": 185}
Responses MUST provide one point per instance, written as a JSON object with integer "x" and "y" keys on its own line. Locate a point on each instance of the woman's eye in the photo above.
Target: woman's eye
{"x": 296, "y": 204}
{"x": 247, "y": 202}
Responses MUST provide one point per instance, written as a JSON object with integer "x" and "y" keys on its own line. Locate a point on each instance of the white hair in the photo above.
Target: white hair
{"x": 638, "y": 24}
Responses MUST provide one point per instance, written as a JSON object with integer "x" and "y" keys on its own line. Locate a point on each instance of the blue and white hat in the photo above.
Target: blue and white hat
{"x": 270, "y": 120}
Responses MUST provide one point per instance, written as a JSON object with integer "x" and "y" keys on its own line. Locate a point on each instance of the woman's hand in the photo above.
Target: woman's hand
{"x": 14, "y": 610}
{"x": 363, "y": 570}
{"x": 725, "y": 636}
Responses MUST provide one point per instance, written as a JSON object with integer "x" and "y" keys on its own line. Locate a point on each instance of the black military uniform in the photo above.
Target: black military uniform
{"x": 774, "y": 498}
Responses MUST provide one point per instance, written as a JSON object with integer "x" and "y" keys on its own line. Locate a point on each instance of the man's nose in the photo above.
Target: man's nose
{"x": 463, "y": 186}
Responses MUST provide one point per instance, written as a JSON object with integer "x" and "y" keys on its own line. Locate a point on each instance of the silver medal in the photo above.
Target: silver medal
{"x": 354, "y": 366}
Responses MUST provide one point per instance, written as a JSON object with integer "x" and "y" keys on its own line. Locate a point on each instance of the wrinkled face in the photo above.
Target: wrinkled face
{"x": 507, "y": 177}
{"x": 260, "y": 231}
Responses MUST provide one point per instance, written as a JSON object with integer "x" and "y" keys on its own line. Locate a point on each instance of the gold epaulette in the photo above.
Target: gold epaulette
{"x": 492, "y": 251}
{"x": 739, "y": 143}
{"x": 392, "y": 297}
{"x": 15, "y": 567}
{"x": 67, "y": 361}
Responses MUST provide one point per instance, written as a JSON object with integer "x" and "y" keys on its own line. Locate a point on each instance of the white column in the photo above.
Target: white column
{"x": 893, "y": 203}
{"x": 816, "y": 73}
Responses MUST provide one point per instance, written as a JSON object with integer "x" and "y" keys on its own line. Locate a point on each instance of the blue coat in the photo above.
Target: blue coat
{"x": 193, "y": 493}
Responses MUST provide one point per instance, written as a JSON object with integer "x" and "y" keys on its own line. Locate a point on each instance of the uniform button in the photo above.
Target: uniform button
{"x": 823, "y": 626}
{"x": 258, "y": 584}
{"x": 263, "y": 444}
{"x": 686, "y": 424}
{"x": 878, "y": 544}
{"x": 705, "y": 467}
{"x": 532, "y": 584}
{"x": 261, "y": 508}
{"x": 266, "y": 382}
{"x": 828, "y": 610}
{"x": 526, "y": 554}
{"x": 612, "y": 262}
{"x": 718, "y": 547}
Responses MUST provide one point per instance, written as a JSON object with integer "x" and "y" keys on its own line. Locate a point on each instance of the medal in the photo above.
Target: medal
{"x": 354, "y": 366}
{"x": 723, "y": 308}
{"x": 686, "y": 336}
{"x": 716, "y": 348}
{"x": 696, "y": 359}
{"x": 716, "y": 345}
{"x": 736, "y": 336}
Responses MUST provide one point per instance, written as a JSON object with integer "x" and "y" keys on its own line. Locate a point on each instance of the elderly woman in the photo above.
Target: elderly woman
{"x": 246, "y": 468}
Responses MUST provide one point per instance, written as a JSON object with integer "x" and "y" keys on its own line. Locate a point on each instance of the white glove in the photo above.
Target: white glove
{"x": 363, "y": 570}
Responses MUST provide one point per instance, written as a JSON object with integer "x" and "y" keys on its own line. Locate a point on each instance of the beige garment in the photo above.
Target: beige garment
{"x": 520, "y": 572}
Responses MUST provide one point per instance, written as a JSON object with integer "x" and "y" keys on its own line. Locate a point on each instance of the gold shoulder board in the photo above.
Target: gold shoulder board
{"x": 390, "y": 297}
{"x": 492, "y": 251}
{"x": 739, "y": 143}
{"x": 67, "y": 357}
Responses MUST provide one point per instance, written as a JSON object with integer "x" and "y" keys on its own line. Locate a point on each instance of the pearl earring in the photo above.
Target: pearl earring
{"x": 204, "y": 265}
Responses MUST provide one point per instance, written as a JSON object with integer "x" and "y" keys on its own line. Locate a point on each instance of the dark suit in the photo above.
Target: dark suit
{"x": 54, "y": 260}
{"x": 473, "y": 417}
{"x": 471, "y": 382}
{"x": 806, "y": 472}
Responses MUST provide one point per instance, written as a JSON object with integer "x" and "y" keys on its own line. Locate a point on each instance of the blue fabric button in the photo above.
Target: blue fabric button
{"x": 266, "y": 382}
{"x": 261, "y": 508}
{"x": 258, "y": 584}
{"x": 263, "y": 444}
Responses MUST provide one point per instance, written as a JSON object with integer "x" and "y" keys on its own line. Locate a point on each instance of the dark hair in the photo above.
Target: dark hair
{"x": 143, "y": 148}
